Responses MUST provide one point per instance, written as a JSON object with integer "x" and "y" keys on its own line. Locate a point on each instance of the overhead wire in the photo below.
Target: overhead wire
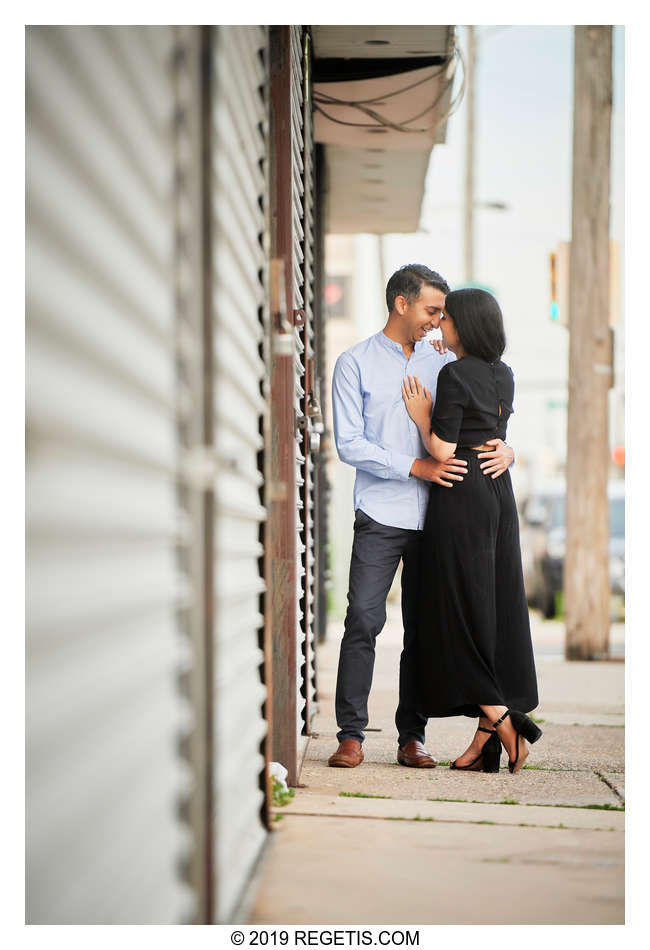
{"x": 382, "y": 121}
{"x": 389, "y": 95}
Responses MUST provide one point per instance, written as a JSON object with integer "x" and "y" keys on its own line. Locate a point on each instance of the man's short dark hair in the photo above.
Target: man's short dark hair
{"x": 479, "y": 322}
{"x": 407, "y": 282}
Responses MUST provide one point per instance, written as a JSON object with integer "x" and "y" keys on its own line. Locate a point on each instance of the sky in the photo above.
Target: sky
{"x": 523, "y": 134}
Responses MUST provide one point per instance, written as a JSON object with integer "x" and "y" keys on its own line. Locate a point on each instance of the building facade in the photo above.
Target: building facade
{"x": 177, "y": 201}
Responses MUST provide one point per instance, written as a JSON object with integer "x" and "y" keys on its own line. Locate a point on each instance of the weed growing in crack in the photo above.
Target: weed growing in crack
{"x": 361, "y": 795}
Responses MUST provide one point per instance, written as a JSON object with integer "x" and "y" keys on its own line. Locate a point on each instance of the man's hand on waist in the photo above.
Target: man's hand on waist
{"x": 500, "y": 455}
{"x": 442, "y": 473}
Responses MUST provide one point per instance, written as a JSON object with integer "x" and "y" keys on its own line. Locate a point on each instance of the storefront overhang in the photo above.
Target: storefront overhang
{"x": 382, "y": 95}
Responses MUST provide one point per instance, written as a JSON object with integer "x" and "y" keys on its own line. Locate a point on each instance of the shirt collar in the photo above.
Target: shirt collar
{"x": 390, "y": 344}
{"x": 394, "y": 345}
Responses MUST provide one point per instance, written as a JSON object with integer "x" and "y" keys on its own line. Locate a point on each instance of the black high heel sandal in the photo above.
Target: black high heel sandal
{"x": 526, "y": 729}
{"x": 488, "y": 758}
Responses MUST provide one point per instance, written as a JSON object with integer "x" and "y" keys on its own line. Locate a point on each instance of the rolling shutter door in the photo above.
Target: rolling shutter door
{"x": 106, "y": 588}
{"x": 297, "y": 259}
{"x": 188, "y": 273}
{"x": 309, "y": 340}
{"x": 302, "y": 159}
{"x": 239, "y": 128}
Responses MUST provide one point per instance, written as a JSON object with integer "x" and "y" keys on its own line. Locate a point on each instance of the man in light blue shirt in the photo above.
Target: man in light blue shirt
{"x": 375, "y": 434}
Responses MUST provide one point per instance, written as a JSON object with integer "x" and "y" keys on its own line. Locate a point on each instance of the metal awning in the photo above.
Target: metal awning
{"x": 382, "y": 95}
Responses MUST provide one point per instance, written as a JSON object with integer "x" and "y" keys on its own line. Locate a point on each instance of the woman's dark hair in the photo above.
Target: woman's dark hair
{"x": 478, "y": 321}
{"x": 407, "y": 282}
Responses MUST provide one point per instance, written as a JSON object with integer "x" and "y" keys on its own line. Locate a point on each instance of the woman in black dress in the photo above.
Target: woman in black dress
{"x": 474, "y": 634}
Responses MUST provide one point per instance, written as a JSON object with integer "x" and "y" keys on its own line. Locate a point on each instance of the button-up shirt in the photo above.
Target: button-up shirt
{"x": 373, "y": 430}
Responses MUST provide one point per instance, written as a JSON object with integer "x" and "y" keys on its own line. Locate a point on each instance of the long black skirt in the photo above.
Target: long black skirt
{"x": 473, "y": 629}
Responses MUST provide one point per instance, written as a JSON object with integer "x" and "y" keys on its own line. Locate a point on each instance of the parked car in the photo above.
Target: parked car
{"x": 544, "y": 541}
{"x": 535, "y": 527}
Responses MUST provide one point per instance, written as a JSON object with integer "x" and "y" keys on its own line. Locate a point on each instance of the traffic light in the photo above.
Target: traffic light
{"x": 559, "y": 261}
{"x": 559, "y": 267}
{"x": 555, "y": 308}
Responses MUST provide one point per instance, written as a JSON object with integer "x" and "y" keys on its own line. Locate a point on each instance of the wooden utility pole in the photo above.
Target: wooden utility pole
{"x": 469, "y": 154}
{"x": 586, "y": 571}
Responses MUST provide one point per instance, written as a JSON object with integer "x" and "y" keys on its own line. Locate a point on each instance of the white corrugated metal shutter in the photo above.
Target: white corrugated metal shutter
{"x": 300, "y": 357}
{"x": 310, "y": 357}
{"x": 189, "y": 257}
{"x": 239, "y": 279}
{"x": 106, "y": 587}
{"x": 297, "y": 259}
{"x": 303, "y": 281}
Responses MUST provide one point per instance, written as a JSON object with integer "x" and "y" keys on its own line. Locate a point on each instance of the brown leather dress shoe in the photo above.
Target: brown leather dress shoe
{"x": 415, "y": 756}
{"x": 347, "y": 756}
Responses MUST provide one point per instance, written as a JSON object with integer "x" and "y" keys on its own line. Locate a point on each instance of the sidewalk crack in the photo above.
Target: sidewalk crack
{"x": 604, "y": 779}
{"x": 445, "y": 821}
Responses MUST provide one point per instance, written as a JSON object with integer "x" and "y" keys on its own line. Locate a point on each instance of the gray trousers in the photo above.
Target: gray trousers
{"x": 376, "y": 553}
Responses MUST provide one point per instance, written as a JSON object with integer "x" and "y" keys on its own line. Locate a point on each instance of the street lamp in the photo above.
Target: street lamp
{"x": 470, "y": 203}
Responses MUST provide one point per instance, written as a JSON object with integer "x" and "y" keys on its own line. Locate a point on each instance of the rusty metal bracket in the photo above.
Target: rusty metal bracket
{"x": 283, "y": 338}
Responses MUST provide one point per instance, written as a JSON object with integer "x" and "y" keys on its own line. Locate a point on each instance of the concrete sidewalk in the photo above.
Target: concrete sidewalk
{"x": 383, "y": 844}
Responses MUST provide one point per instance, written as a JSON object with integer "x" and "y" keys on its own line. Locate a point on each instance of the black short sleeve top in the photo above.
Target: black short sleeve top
{"x": 473, "y": 401}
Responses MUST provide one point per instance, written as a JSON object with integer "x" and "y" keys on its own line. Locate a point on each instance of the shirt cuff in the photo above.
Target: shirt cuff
{"x": 401, "y": 465}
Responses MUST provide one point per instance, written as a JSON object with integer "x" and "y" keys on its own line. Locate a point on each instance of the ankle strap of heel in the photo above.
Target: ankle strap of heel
{"x": 499, "y": 721}
{"x": 483, "y": 729}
